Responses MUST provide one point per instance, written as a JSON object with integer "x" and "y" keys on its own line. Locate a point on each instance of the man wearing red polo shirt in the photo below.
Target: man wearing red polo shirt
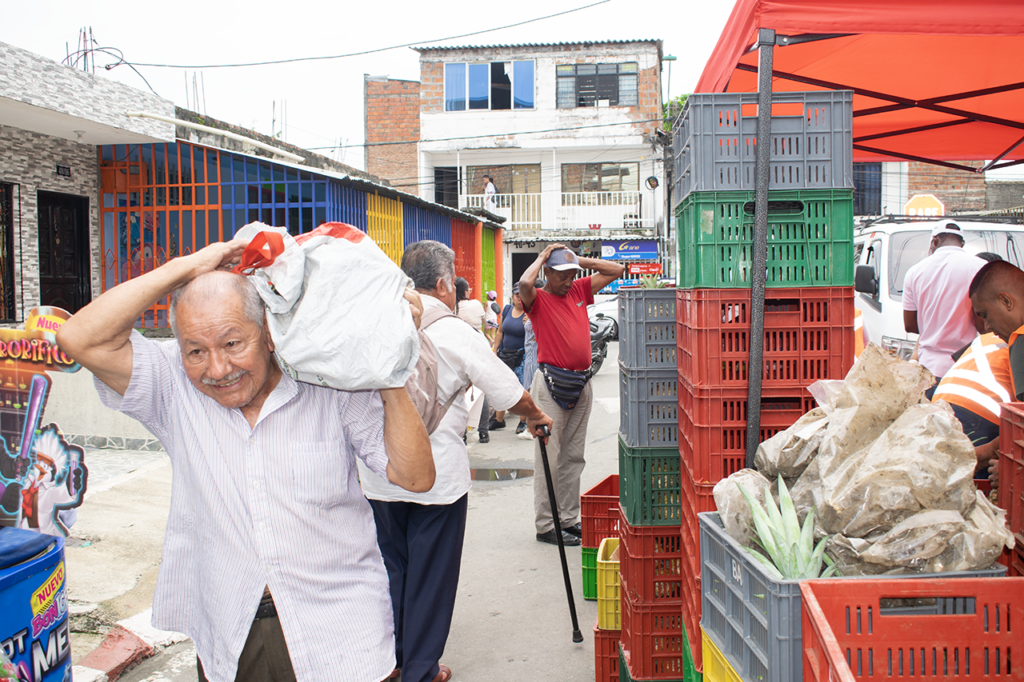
{"x": 561, "y": 385}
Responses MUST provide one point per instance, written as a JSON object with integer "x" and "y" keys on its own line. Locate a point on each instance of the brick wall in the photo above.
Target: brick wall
{"x": 957, "y": 190}
{"x": 392, "y": 114}
{"x": 30, "y": 162}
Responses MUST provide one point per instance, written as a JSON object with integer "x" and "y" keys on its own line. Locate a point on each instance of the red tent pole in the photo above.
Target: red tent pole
{"x": 759, "y": 247}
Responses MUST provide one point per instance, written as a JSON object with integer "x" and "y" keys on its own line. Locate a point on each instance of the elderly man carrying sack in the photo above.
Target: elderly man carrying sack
{"x": 270, "y": 561}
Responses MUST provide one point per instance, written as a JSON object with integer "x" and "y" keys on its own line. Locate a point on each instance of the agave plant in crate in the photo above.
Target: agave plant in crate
{"x": 790, "y": 549}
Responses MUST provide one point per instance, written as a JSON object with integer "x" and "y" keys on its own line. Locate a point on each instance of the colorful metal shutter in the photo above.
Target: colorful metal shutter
{"x": 347, "y": 205}
{"x": 422, "y": 224}
{"x": 487, "y": 264}
{"x": 466, "y": 257}
{"x": 384, "y": 222}
{"x": 158, "y": 201}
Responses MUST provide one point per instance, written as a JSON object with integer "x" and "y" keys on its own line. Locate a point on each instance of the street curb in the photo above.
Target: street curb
{"x": 128, "y": 642}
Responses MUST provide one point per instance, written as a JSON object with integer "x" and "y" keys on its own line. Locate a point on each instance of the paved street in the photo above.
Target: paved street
{"x": 511, "y": 619}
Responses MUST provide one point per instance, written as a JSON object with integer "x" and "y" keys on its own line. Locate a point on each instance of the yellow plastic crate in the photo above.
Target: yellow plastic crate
{"x": 608, "y": 606}
{"x": 716, "y": 667}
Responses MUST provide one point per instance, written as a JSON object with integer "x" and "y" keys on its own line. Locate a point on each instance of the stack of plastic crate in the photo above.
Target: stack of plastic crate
{"x": 808, "y": 321}
{"x": 1011, "y": 481}
{"x": 599, "y": 511}
{"x": 650, "y": 551}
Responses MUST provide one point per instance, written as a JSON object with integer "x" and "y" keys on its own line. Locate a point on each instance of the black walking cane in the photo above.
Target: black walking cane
{"x": 577, "y": 636}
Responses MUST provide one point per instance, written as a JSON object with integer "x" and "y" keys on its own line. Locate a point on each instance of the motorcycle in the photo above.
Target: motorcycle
{"x": 601, "y": 332}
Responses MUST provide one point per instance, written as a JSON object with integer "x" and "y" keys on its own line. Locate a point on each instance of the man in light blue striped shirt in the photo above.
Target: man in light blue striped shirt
{"x": 270, "y": 562}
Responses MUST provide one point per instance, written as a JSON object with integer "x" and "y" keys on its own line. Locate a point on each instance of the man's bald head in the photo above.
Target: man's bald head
{"x": 997, "y": 295}
{"x": 997, "y": 276}
{"x": 214, "y": 289}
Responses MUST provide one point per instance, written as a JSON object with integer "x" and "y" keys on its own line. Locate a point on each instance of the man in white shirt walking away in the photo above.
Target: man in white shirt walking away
{"x": 936, "y": 304}
{"x": 420, "y": 534}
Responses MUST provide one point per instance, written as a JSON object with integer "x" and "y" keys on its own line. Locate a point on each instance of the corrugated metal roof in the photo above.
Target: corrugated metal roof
{"x": 526, "y": 45}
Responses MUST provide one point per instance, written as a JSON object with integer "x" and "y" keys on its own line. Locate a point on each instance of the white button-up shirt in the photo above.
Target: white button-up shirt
{"x": 275, "y": 505}
{"x": 463, "y": 356}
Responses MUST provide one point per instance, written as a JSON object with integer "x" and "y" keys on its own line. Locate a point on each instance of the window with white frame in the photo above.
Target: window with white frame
{"x": 592, "y": 85}
{"x": 489, "y": 85}
{"x": 601, "y": 177}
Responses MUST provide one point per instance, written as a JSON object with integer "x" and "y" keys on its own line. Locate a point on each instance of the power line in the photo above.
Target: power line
{"x": 365, "y": 52}
{"x": 474, "y": 137}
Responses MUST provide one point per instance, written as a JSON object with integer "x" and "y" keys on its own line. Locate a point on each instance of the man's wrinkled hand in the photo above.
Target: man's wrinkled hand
{"x": 219, "y": 256}
{"x": 546, "y": 253}
{"x": 536, "y": 424}
{"x": 415, "y": 306}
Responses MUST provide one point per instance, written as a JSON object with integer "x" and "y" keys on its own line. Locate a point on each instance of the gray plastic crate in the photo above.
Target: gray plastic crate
{"x": 754, "y": 619}
{"x": 649, "y": 407}
{"x": 647, "y": 328}
{"x": 714, "y": 143}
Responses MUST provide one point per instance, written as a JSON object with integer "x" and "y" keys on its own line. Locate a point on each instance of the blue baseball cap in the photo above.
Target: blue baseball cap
{"x": 563, "y": 259}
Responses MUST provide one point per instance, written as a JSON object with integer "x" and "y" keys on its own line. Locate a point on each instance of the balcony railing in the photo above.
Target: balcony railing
{"x": 569, "y": 210}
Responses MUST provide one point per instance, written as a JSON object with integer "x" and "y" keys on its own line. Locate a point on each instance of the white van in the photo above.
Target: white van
{"x": 884, "y": 252}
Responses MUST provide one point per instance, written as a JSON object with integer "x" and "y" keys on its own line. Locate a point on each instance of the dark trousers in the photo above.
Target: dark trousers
{"x": 422, "y": 549}
{"x": 264, "y": 657}
{"x": 980, "y": 430}
{"x": 485, "y": 416}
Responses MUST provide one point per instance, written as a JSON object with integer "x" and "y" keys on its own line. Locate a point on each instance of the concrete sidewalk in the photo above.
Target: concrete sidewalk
{"x": 511, "y": 617}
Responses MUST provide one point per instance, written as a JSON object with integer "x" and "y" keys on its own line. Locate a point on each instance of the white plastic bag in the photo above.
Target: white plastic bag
{"x": 336, "y": 309}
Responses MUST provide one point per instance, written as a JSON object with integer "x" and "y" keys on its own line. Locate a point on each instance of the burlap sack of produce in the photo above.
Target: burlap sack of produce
{"x": 788, "y": 452}
{"x": 922, "y": 461}
{"x": 733, "y": 508}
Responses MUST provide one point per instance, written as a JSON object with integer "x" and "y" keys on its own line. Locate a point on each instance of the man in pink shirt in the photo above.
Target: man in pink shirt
{"x": 935, "y": 301}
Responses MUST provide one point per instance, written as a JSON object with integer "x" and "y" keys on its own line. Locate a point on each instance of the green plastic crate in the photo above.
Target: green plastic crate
{"x": 624, "y": 675}
{"x": 810, "y": 239}
{"x": 690, "y": 673}
{"x": 590, "y": 573}
{"x": 649, "y": 485}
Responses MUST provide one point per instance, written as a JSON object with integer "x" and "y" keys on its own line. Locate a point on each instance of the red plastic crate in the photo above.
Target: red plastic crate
{"x": 606, "y": 655}
{"x": 691, "y": 617}
{"x": 848, "y": 635}
{"x": 1016, "y": 567}
{"x": 808, "y": 335}
{"x": 1011, "y": 465}
{"x": 651, "y": 563}
{"x": 713, "y": 425}
{"x": 652, "y": 640}
{"x": 599, "y": 512}
{"x": 697, "y": 498}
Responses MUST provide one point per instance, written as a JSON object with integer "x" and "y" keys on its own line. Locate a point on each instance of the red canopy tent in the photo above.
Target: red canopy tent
{"x": 934, "y": 80}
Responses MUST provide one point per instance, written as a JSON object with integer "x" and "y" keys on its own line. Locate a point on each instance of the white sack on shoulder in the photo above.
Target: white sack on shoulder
{"x": 337, "y": 315}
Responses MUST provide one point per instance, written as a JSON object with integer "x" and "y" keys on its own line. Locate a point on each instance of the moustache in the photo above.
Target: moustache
{"x": 226, "y": 381}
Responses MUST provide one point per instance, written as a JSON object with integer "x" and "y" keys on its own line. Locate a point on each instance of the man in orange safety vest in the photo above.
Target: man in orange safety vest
{"x": 975, "y": 387}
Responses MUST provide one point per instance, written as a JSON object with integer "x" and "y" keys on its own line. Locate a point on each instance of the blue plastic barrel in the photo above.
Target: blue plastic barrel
{"x": 34, "y": 628}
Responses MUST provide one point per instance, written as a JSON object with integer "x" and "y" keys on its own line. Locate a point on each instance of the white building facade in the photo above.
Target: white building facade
{"x": 567, "y": 132}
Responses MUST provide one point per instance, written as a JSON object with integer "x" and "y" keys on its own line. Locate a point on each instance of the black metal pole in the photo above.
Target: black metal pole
{"x": 759, "y": 247}
{"x": 577, "y": 636}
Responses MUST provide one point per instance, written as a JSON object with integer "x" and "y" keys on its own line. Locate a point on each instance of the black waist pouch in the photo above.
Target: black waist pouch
{"x": 511, "y": 357}
{"x": 564, "y": 385}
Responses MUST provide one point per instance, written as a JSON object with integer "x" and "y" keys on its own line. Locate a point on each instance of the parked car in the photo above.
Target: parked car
{"x": 884, "y": 252}
{"x": 606, "y": 306}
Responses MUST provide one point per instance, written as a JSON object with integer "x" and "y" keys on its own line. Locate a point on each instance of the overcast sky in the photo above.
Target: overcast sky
{"x": 324, "y": 98}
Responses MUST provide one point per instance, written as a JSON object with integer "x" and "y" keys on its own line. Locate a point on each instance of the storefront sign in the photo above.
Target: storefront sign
{"x": 635, "y": 249}
{"x": 39, "y": 470}
{"x": 645, "y": 268}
